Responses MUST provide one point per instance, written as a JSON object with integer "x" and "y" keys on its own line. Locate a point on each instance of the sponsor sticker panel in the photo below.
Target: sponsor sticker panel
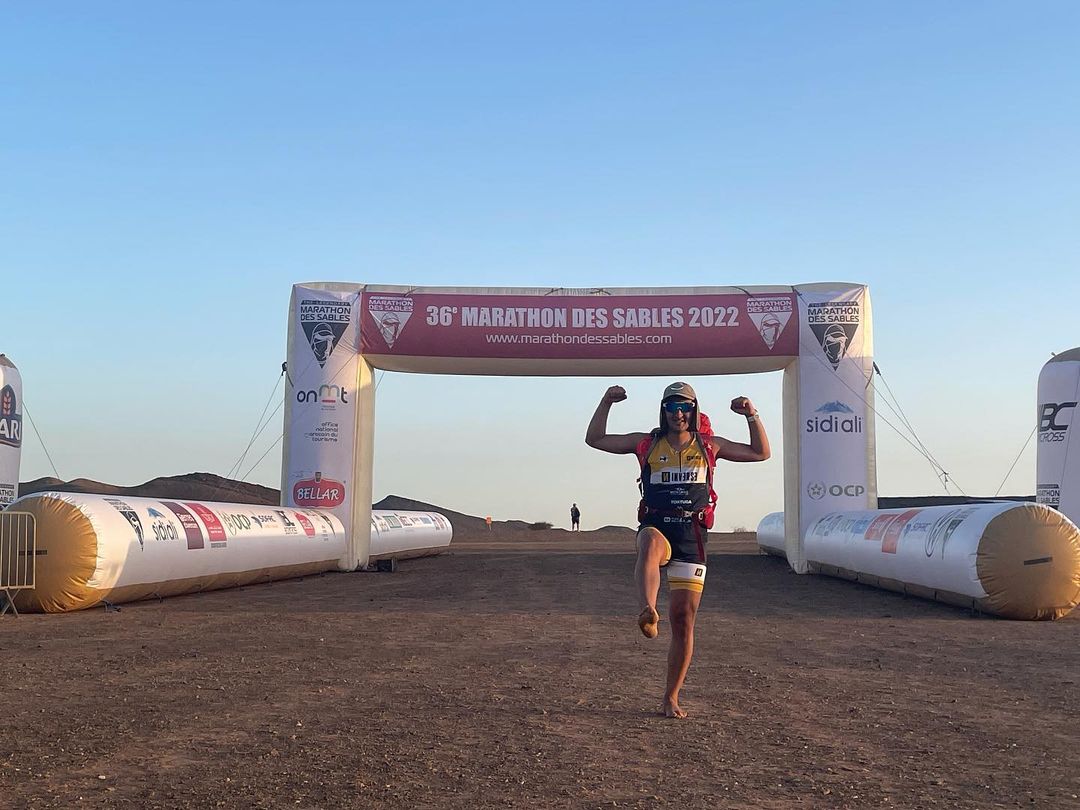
{"x": 192, "y": 530}
{"x": 214, "y": 528}
{"x": 1048, "y": 494}
{"x": 131, "y": 516}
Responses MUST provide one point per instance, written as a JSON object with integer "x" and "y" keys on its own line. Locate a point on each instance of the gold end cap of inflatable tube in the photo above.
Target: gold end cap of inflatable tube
{"x": 67, "y": 557}
{"x": 1029, "y": 563}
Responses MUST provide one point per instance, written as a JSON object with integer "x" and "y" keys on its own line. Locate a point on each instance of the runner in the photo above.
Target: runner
{"x": 675, "y": 511}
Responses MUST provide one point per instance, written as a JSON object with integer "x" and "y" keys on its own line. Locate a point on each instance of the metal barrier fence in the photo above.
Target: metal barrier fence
{"x": 18, "y": 556}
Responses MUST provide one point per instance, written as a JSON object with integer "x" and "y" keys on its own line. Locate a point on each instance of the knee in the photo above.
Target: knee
{"x": 653, "y": 547}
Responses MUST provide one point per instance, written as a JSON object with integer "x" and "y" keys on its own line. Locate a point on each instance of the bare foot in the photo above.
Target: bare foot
{"x": 671, "y": 709}
{"x": 649, "y": 622}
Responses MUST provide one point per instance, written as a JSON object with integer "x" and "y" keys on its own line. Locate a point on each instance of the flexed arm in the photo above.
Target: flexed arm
{"x": 597, "y": 436}
{"x": 758, "y": 449}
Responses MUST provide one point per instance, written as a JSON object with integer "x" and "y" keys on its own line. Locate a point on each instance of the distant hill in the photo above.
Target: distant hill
{"x": 458, "y": 519}
{"x": 193, "y": 486}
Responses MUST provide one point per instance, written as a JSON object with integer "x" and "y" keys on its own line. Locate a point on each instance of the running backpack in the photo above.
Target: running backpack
{"x": 708, "y": 514}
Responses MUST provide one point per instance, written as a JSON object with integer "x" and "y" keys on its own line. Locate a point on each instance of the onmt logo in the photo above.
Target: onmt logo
{"x": 326, "y": 395}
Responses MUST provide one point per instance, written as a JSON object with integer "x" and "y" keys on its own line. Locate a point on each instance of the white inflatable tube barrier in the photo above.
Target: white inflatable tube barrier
{"x": 402, "y": 535}
{"x": 1015, "y": 560}
{"x": 93, "y": 549}
{"x": 770, "y": 535}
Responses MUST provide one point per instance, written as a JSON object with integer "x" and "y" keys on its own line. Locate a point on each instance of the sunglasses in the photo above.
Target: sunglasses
{"x": 679, "y": 407}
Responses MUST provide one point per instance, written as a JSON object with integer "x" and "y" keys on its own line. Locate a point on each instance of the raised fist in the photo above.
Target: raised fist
{"x": 743, "y": 406}
{"x": 615, "y": 394}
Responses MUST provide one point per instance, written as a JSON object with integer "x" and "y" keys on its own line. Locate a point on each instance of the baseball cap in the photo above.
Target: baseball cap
{"x": 680, "y": 390}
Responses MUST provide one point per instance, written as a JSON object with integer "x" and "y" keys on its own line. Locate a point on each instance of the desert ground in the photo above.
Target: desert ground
{"x": 509, "y": 672}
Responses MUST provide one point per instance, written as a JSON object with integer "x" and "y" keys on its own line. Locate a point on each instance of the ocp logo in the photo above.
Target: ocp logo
{"x": 818, "y": 490}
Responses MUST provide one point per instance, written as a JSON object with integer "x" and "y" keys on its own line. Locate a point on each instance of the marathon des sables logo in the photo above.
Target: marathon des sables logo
{"x": 10, "y": 421}
{"x": 390, "y": 313}
{"x": 834, "y": 324}
{"x": 770, "y": 316}
{"x": 835, "y": 417}
{"x": 324, "y": 322}
{"x": 1054, "y": 420}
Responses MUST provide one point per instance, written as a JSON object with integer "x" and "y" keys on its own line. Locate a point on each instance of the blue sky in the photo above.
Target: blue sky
{"x": 170, "y": 170}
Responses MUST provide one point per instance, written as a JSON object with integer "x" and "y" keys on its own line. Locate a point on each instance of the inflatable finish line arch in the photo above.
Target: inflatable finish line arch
{"x": 819, "y": 334}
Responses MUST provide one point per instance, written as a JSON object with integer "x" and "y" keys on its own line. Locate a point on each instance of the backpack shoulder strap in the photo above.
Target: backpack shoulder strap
{"x": 707, "y": 448}
{"x": 710, "y": 459}
{"x": 645, "y": 447}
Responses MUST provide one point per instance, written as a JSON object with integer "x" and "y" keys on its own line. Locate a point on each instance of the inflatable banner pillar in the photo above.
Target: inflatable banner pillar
{"x": 329, "y": 414}
{"x": 830, "y": 390}
{"x": 1057, "y": 462}
{"x": 10, "y": 430}
{"x": 819, "y": 334}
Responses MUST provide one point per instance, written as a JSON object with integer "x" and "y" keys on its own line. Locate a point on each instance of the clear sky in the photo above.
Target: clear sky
{"x": 169, "y": 170}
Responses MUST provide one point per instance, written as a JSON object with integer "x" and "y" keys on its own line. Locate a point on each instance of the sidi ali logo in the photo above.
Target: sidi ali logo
{"x": 835, "y": 417}
{"x": 390, "y": 314}
{"x": 770, "y": 316}
{"x": 834, "y": 324}
{"x": 324, "y": 322}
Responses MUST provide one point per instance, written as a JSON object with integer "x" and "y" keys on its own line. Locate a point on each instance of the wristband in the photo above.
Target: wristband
{"x": 752, "y": 417}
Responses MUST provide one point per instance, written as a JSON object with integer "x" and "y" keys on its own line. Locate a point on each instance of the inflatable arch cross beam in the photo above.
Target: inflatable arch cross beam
{"x": 818, "y": 334}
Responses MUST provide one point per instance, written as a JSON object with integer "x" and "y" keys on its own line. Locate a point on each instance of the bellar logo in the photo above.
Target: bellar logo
{"x": 10, "y": 421}
{"x": 318, "y": 491}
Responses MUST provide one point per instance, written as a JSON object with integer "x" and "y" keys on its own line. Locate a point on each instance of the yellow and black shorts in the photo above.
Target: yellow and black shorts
{"x": 686, "y": 572}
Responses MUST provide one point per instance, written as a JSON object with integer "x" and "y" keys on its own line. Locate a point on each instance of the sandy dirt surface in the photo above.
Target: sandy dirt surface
{"x": 510, "y": 673}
